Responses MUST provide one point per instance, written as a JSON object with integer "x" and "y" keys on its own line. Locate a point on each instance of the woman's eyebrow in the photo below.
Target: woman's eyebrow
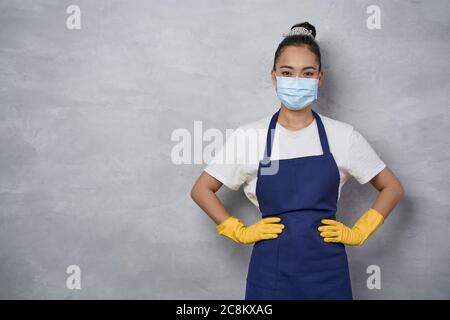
{"x": 305, "y": 68}
{"x": 288, "y": 67}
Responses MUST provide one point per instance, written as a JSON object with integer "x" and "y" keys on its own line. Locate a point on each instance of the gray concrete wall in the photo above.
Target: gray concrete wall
{"x": 86, "y": 117}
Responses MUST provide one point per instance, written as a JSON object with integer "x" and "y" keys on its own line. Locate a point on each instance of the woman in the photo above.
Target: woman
{"x": 299, "y": 246}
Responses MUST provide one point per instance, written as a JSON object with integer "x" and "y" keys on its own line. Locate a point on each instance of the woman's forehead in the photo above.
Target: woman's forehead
{"x": 296, "y": 56}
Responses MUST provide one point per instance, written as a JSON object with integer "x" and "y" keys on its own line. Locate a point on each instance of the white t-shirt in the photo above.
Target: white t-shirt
{"x": 237, "y": 162}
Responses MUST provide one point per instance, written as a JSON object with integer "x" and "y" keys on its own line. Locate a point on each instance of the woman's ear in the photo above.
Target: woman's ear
{"x": 320, "y": 78}
{"x": 274, "y": 79}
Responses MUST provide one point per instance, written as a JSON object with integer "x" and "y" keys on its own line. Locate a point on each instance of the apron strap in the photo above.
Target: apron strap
{"x": 322, "y": 134}
{"x": 271, "y": 134}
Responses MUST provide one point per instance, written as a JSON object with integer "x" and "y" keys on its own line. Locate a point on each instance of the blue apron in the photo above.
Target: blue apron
{"x": 298, "y": 264}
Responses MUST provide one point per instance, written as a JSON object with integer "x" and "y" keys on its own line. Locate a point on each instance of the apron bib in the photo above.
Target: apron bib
{"x": 298, "y": 264}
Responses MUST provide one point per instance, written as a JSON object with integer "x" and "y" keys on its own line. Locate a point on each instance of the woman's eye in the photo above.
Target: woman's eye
{"x": 309, "y": 74}
{"x": 285, "y": 73}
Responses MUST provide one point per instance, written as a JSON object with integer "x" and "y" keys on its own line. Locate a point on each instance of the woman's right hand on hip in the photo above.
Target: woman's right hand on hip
{"x": 267, "y": 228}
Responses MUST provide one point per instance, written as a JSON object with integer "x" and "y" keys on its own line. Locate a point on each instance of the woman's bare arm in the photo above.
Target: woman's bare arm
{"x": 204, "y": 194}
{"x": 391, "y": 191}
{"x": 204, "y": 191}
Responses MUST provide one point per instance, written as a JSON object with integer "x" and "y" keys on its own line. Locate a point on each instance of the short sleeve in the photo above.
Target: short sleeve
{"x": 226, "y": 165}
{"x": 363, "y": 162}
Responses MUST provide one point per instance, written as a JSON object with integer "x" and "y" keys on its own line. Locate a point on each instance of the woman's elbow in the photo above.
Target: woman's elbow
{"x": 195, "y": 192}
{"x": 400, "y": 191}
{"x": 199, "y": 190}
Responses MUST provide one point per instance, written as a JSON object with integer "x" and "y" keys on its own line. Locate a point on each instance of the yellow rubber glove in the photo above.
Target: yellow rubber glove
{"x": 335, "y": 231}
{"x": 264, "y": 229}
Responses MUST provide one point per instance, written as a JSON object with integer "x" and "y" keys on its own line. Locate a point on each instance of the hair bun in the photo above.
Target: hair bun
{"x": 304, "y": 28}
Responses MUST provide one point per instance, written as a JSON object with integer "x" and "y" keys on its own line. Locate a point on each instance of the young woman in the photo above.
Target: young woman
{"x": 299, "y": 246}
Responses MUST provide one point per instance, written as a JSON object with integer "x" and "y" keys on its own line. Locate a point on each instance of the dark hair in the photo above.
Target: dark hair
{"x": 300, "y": 40}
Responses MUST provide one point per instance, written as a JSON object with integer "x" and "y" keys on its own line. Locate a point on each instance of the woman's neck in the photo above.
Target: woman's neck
{"x": 295, "y": 120}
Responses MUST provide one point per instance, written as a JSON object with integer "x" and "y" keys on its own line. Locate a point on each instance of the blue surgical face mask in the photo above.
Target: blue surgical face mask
{"x": 297, "y": 93}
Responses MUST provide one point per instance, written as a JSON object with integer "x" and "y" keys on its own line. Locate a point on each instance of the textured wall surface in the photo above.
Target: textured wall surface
{"x": 86, "y": 117}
